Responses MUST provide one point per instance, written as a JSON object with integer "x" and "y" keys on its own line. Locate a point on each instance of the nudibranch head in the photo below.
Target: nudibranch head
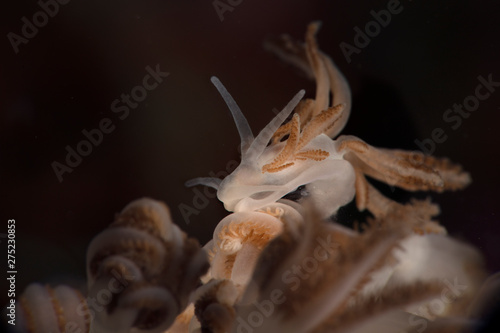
{"x": 268, "y": 172}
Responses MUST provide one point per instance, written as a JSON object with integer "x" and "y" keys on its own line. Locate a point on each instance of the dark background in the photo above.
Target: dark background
{"x": 64, "y": 80}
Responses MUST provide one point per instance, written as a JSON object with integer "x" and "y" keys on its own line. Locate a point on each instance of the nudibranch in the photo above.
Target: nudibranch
{"x": 303, "y": 154}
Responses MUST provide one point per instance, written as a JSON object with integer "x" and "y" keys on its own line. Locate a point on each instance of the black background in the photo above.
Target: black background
{"x": 64, "y": 80}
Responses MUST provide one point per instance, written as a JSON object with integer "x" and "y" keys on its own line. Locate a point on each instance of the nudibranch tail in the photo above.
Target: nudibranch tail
{"x": 244, "y": 129}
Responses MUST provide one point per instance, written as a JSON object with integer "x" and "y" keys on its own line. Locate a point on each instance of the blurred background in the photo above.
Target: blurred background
{"x": 64, "y": 79}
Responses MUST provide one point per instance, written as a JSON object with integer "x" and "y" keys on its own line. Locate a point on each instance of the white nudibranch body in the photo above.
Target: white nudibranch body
{"x": 302, "y": 155}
